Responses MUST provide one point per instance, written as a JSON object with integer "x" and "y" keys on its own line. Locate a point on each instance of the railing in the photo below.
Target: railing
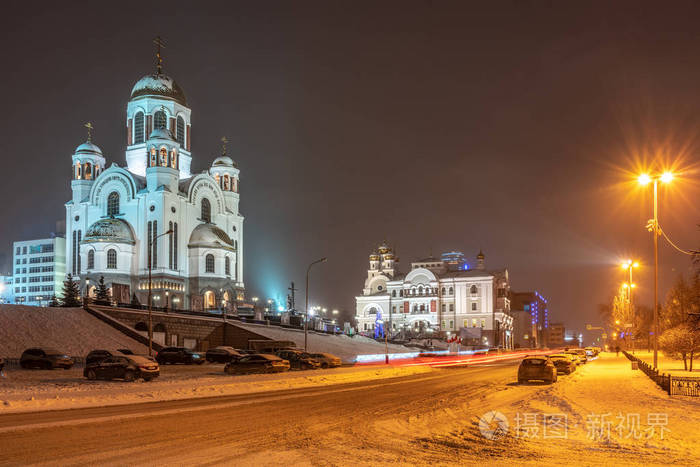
{"x": 673, "y": 385}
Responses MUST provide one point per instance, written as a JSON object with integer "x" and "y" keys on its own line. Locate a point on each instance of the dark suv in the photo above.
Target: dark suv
{"x": 128, "y": 368}
{"x": 299, "y": 360}
{"x": 46, "y": 358}
{"x": 179, "y": 355}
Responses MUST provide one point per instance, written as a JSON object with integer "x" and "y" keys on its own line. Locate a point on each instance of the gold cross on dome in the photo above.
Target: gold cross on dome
{"x": 160, "y": 44}
{"x": 224, "y": 140}
{"x": 89, "y": 127}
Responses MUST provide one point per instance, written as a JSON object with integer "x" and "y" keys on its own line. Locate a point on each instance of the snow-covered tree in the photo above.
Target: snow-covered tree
{"x": 682, "y": 341}
{"x": 101, "y": 292}
{"x": 71, "y": 292}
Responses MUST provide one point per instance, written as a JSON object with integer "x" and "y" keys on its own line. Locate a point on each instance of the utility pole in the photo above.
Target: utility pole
{"x": 306, "y": 309}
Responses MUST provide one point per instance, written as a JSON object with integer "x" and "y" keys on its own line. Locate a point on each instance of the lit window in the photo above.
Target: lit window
{"x": 111, "y": 259}
{"x": 209, "y": 263}
{"x": 163, "y": 157}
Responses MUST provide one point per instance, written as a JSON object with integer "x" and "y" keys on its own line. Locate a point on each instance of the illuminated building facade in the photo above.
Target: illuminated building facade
{"x": 114, "y": 210}
{"x": 436, "y": 298}
{"x": 534, "y": 304}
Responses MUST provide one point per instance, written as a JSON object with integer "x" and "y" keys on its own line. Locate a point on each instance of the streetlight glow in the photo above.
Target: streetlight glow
{"x": 666, "y": 177}
{"x": 644, "y": 179}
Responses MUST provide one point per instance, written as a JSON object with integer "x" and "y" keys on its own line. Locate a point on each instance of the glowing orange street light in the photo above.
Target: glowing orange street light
{"x": 653, "y": 227}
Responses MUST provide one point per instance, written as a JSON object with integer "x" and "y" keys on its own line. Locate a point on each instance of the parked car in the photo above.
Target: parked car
{"x": 174, "y": 355}
{"x": 580, "y": 353}
{"x": 257, "y": 363}
{"x": 126, "y": 367}
{"x": 564, "y": 363}
{"x": 299, "y": 360}
{"x": 46, "y": 358}
{"x": 327, "y": 360}
{"x": 222, "y": 354}
{"x": 537, "y": 368}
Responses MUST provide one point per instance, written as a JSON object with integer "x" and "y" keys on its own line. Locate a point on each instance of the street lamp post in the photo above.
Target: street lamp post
{"x": 306, "y": 309}
{"x": 630, "y": 265}
{"x": 150, "y": 287}
{"x": 653, "y": 226}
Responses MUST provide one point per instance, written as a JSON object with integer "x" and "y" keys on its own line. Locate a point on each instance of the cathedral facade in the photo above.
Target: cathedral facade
{"x": 437, "y": 297}
{"x": 191, "y": 221}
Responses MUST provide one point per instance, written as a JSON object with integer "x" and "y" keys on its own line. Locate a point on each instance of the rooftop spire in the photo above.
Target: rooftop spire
{"x": 224, "y": 140}
{"x": 159, "y": 43}
{"x": 89, "y": 127}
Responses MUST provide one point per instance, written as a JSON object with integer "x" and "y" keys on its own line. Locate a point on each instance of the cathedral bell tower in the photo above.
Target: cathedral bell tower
{"x": 88, "y": 163}
{"x": 157, "y": 103}
{"x": 225, "y": 171}
{"x": 162, "y": 161}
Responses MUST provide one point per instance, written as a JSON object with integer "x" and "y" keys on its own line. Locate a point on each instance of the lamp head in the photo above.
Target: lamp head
{"x": 644, "y": 179}
{"x": 666, "y": 177}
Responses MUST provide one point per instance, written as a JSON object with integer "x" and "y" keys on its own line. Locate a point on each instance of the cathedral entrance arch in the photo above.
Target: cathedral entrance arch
{"x": 209, "y": 300}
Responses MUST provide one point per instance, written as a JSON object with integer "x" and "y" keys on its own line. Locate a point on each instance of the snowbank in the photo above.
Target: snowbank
{"x": 345, "y": 347}
{"x": 71, "y": 330}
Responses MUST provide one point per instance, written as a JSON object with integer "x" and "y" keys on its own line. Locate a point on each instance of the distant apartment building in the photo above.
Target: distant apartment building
{"x": 536, "y": 306}
{"x": 555, "y": 335}
{"x": 524, "y": 330}
{"x": 39, "y": 269}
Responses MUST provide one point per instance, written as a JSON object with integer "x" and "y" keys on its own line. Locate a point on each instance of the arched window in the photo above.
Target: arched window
{"x": 153, "y": 157}
{"x": 91, "y": 259}
{"x": 160, "y": 120}
{"x": 173, "y": 159}
{"x": 209, "y": 263}
{"x": 473, "y": 290}
{"x": 443, "y": 291}
{"x": 227, "y": 266}
{"x": 138, "y": 128}
{"x": 452, "y": 291}
{"x": 112, "y": 259}
{"x": 163, "y": 157}
{"x": 420, "y": 290}
{"x": 181, "y": 131}
{"x": 113, "y": 204}
{"x": 88, "y": 171}
{"x": 226, "y": 184}
{"x": 422, "y": 308}
{"x": 393, "y": 293}
{"x": 206, "y": 210}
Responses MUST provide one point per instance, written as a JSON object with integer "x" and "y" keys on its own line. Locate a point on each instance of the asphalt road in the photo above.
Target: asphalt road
{"x": 391, "y": 420}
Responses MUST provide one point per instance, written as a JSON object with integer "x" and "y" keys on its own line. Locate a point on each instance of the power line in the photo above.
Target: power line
{"x": 685, "y": 252}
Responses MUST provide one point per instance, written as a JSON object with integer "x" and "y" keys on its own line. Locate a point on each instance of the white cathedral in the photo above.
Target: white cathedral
{"x": 192, "y": 220}
{"x": 441, "y": 297}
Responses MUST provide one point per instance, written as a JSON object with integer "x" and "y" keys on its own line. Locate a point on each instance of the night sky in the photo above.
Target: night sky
{"x": 512, "y": 127}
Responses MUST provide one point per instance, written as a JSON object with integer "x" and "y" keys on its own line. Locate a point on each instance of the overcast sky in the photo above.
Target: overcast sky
{"x": 511, "y": 127}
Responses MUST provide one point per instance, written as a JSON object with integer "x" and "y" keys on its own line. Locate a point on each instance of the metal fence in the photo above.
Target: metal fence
{"x": 673, "y": 385}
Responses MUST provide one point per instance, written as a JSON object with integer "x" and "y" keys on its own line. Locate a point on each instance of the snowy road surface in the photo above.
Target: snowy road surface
{"x": 426, "y": 418}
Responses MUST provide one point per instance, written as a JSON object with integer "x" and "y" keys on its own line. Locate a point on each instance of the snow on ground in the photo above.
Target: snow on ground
{"x": 345, "y": 347}
{"x": 31, "y": 390}
{"x": 70, "y": 330}
{"x": 670, "y": 365}
{"x": 609, "y": 410}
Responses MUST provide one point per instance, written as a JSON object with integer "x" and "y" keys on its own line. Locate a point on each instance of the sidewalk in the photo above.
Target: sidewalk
{"x": 611, "y": 414}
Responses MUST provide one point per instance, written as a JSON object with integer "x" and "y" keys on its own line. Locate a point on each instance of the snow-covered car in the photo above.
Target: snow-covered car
{"x": 46, "y": 358}
{"x": 327, "y": 360}
{"x": 100, "y": 354}
{"x": 564, "y": 363}
{"x": 126, "y": 367}
{"x": 179, "y": 355}
{"x": 222, "y": 354}
{"x": 299, "y": 360}
{"x": 580, "y": 353}
{"x": 538, "y": 367}
{"x": 257, "y": 363}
